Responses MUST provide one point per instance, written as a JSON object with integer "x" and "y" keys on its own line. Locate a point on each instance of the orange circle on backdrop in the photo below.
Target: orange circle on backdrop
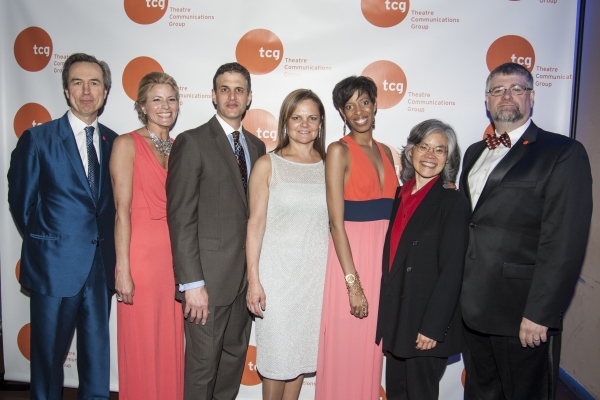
{"x": 260, "y": 51}
{"x": 28, "y": 116}
{"x": 391, "y": 82}
{"x": 385, "y": 13}
{"x": 24, "y": 340}
{"x": 135, "y": 71}
{"x": 145, "y": 12}
{"x": 18, "y": 270}
{"x": 490, "y": 130}
{"x": 263, "y": 125}
{"x": 510, "y": 48}
{"x": 33, "y": 48}
{"x": 250, "y": 376}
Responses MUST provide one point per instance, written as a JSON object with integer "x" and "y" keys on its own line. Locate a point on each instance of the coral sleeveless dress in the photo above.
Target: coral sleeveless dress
{"x": 349, "y": 362}
{"x": 150, "y": 332}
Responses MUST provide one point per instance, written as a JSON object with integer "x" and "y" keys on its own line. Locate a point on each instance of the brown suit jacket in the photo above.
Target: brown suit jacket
{"x": 207, "y": 211}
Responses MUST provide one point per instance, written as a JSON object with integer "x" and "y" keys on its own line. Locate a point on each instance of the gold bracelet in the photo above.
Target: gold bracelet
{"x": 353, "y": 285}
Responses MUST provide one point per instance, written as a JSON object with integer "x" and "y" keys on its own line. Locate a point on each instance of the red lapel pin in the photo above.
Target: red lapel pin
{"x": 103, "y": 137}
{"x": 526, "y": 142}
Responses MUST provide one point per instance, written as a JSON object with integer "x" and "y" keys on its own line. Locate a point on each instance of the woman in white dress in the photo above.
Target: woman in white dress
{"x": 286, "y": 247}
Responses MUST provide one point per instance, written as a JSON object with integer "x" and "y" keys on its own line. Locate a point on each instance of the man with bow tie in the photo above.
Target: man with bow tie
{"x": 531, "y": 199}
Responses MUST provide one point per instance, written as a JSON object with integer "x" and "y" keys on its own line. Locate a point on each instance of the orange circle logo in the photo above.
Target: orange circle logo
{"x": 260, "y": 51}
{"x": 385, "y": 13}
{"x": 145, "y": 12}
{"x": 28, "y": 116}
{"x": 18, "y": 270}
{"x": 250, "y": 376}
{"x": 382, "y": 395}
{"x": 135, "y": 71}
{"x": 33, "y": 48}
{"x": 510, "y": 48}
{"x": 24, "y": 340}
{"x": 263, "y": 125}
{"x": 390, "y": 80}
{"x": 490, "y": 130}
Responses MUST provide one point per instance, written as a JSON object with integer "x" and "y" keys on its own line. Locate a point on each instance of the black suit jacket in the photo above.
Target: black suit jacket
{"x": 527, "y": 234}
{"x": 420, "y": 294}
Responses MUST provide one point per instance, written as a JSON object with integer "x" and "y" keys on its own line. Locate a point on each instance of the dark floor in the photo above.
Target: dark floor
{"x": 71, "y": 394}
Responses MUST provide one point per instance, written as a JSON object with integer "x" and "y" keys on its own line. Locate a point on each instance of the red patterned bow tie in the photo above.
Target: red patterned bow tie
{"x": 494, "y": 141}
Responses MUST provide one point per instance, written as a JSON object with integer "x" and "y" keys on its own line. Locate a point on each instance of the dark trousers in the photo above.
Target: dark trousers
{"x": 215, "y": 353}
{"x": 53, "y": 320}
{"x": 499, "y": 368}
{"x": 415, "y": 378}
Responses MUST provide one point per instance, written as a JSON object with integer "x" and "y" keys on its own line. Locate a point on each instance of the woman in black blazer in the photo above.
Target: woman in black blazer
{"x": 423, "y": 258}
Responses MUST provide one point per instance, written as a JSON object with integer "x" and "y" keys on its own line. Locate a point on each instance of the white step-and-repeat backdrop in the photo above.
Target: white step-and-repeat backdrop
{"x": 429, "y": 58}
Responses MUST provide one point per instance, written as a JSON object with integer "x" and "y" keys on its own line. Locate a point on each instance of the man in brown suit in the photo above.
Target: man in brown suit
{"x": 207, "y": 212}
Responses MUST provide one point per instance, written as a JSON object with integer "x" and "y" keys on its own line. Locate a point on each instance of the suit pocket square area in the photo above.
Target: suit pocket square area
{"x": 44, "y": 236}
{"x": 518, "y": 271}
{"x": 520, "y": 184}
{"x": 209, "y": 243}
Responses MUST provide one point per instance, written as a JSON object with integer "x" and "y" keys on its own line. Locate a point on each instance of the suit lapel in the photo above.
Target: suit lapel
{"x": 516, "y": 153}
{"x": 70, "y": 145}
{"x": 414, "y": 227}
{"x": 224, "y": 148}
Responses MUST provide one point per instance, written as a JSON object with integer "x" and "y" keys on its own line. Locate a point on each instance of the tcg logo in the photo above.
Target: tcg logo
{"x": 134, "y": 72}
{"x": 260, "y": 51}
{"x": 28, "y": 116}
{"x": 390, "y": 80}
{"x": 510, "y": 48}
{"x": 33, "y": 48}
{"x": 385, "y": 13}
{"x": 145, "y": 12}
{"x": 264, "y": 126}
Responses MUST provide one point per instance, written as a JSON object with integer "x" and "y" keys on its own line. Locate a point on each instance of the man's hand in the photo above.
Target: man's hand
{"x": 532, "y": 334}
{"x": 196, "y": 305}
{"x": 424, "y": 343}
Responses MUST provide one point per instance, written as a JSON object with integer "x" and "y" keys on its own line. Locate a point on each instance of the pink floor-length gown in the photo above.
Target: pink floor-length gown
{"x": 349, "y": 362}
{"x": 150, "y": 332}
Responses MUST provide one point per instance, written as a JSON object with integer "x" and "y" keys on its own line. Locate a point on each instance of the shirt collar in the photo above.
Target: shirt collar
{"x": 226, "y": 127}
{"x": 516, "y": 134}
{"x": 78, "y": 125}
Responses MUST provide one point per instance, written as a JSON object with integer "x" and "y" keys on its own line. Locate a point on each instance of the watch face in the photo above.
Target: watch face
{"x": 350, "y": 278}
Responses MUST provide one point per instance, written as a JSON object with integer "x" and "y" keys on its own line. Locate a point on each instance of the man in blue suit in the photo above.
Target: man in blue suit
{"x": 60, "y": 196}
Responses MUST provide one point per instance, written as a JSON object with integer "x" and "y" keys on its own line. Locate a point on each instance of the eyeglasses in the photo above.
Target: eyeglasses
{"x": 516, "y": 90}
{"x": 424, "y": 148}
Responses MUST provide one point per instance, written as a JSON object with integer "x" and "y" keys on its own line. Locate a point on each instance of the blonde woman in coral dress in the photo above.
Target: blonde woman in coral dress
{"x": 149, "y": 320}
{"x": 361, "y": 184}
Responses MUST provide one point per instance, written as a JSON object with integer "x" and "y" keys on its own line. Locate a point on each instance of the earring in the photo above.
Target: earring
{"x": 319, "y": 134}
{"x": 344, "y": 127}
{"x": 373, "y": 123}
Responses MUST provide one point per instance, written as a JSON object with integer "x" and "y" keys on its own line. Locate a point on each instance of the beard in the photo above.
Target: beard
{"x": 508, "y": 116}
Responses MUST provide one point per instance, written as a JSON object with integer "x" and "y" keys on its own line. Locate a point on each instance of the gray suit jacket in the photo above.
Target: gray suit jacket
{"x": 207, "y": 211}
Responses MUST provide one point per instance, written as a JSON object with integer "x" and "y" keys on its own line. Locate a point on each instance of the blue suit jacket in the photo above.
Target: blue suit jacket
{"x": 52, "y": 205}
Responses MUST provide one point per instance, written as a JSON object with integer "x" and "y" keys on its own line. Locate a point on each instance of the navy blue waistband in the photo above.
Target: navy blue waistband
{"x": 368, "y": 210}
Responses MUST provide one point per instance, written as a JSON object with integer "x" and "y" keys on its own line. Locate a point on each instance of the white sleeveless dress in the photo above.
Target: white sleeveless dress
{"x": 291, "y": 268}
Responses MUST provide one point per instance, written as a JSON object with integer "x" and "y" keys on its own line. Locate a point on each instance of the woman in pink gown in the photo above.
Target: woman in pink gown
{"x": 361, "y": 183}
{"x": 149, "y": 320}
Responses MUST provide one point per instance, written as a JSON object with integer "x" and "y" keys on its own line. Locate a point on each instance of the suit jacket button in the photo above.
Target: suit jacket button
{"x": 415, "y": 242}
{"x": 408, "y": 269}
{"x": 94, "y": 241}
{"x": 243, "y": 247}
{"x": 472, "y": 225}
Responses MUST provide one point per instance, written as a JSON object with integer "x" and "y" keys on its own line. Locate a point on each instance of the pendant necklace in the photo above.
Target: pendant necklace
{"x": 163, "y": 146}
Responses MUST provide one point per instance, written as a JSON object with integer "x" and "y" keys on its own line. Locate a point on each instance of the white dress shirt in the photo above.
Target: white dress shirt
{"x": 488, "y": 160}
{"x": 78, "y": 127}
